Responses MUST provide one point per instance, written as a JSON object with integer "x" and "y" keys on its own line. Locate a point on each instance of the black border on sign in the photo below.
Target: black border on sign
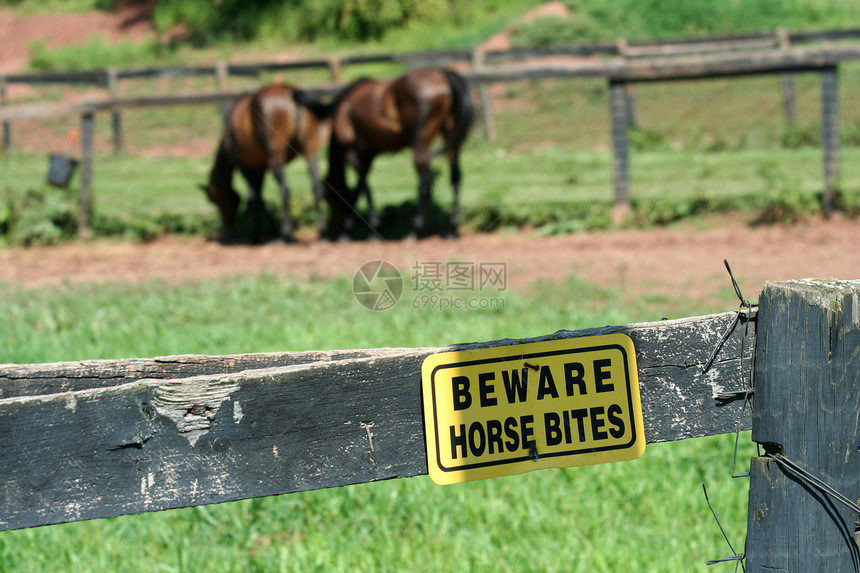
{"x": 519, "y": 357}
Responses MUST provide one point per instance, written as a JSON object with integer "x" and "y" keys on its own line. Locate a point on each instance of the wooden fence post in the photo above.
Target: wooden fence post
{"x": 222, "y": 77}
{"x": 7, "y": 128}
{"x": 116, "y": 116}
{"x": 787, "y": 80}
{"x": 489, "y": 120}
{"x": 806, "y": 402}
{"x": 830, "y": 135}
{"x": 620, "y": 150}
{"x": 632, "y": 120}
{"x": 335, "y": 68}
{"x": 87, "y": 135}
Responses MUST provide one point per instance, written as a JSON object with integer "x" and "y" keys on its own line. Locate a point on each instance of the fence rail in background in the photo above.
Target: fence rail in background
{"x": 103, "y": 438}
{"x": 96, "y": 438}
{"x": 221, "y": 71}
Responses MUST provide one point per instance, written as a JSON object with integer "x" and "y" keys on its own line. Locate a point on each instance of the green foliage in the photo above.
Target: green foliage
{"x": 795, "y": 136}
{"x": 782, "y": 200}
{"x": 577, "y": 28}
{"x": 667, "y": 209}
{"x": 643, "y": 139}
{"x": 346, "y": 20}
{"x": 851, "y": 134}
{"x": 96, "y": 53}
{"x": 848, "y": 201}
{"x": 41, "y": 216}
{"x": 655, "y": 19}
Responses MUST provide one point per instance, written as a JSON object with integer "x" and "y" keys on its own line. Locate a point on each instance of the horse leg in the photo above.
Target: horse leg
{"x": 420, "y": 224}
{"x": 277, "y": 168}
{"x": 365, "y": 160}
{"x": 316, "y": 187}
{"x": 256, "y": 207}
{"x": 454, "y": 161}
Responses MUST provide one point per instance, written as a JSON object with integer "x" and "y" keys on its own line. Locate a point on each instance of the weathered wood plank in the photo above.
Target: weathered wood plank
{"x": 679, "y": 68}
{"x": 149, "y": 444}
{"x": 57, "y": 377}
{"x": 807, "y": 397}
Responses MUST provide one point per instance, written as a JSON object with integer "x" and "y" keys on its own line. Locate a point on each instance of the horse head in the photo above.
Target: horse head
{"x": 225, "y": 198}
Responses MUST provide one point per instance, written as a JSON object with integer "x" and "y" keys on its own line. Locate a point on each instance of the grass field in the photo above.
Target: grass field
{"x": 702, "y": 146}
{"x": 549, "y": 188}
{"x": 645, "y": 515}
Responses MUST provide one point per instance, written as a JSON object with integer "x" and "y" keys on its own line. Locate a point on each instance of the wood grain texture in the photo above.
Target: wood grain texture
{"x": 807, "y": 398}
{"x": 105, "y": 438}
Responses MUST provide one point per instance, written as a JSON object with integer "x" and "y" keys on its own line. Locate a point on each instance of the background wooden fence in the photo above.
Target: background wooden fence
{"x": 96, "y": 439}
{"x": 111, "y": 78}
{"x": 621, "y": 72}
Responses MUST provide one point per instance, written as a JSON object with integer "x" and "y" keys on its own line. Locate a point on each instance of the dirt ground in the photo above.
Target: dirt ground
{"x": 685, "y": 262}
{"x": 675, "y": 262}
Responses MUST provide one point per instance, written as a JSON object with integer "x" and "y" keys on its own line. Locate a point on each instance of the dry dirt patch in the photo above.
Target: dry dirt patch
{"x": 674, "y": 262}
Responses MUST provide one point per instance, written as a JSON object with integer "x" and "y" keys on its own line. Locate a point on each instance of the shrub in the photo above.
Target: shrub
{"x": 851, "y": 135}
{"x": 642, "y": 139}
{"x": 795, "y": 136}
{"x": 96, "y": 53}
{"x": 551, "y": 30}
{"x": 783, "y": 201}
{"x": 37, "y": 217}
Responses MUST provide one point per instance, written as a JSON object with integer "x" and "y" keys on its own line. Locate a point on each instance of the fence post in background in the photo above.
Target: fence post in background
{"x": 618, "y": 112}
{"x": 84, "y": 206}
{"x": 787, "y": 80}
{"x": 632, "y": 119}
{"x": 489, "y": 120}
{"x": 807, "y": 393}
{"x": 7, "y": 128}
{"x": 830, "y": 135}
{"x": 116, "y": 117}
{"x": 222, "y": 78}
{"x": 335, "y": 68}
{"x": 222, "y": 75}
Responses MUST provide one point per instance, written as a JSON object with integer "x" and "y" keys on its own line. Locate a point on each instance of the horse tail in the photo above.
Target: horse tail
{"x": 462, "y": 108}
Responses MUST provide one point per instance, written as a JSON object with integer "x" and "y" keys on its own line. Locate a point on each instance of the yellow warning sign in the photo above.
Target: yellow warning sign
{"x": 506, "y": 410}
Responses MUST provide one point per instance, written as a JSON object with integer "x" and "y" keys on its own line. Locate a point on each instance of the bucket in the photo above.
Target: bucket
{"x": 60, "y": 169}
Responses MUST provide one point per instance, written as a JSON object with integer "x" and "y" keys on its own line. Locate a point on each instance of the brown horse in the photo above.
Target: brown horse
{"x": 373, "y": 117}
{"x": 264, "y": 131}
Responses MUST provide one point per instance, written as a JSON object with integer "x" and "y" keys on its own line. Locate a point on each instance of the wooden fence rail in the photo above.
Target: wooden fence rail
{"x": 221, "y": 71}
{"x": 103, "y": 438}
{"x": 96, "y": 438}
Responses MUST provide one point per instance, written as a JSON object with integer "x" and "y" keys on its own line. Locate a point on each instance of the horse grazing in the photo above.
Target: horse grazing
{"x": 372, "y": 117}
{"x": 264, "y": 131}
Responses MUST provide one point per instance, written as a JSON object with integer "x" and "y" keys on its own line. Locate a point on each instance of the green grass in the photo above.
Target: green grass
{"x": 551, "y": 188}
{"x": 644, "y": 515}
{"x": 269, "y": 313}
